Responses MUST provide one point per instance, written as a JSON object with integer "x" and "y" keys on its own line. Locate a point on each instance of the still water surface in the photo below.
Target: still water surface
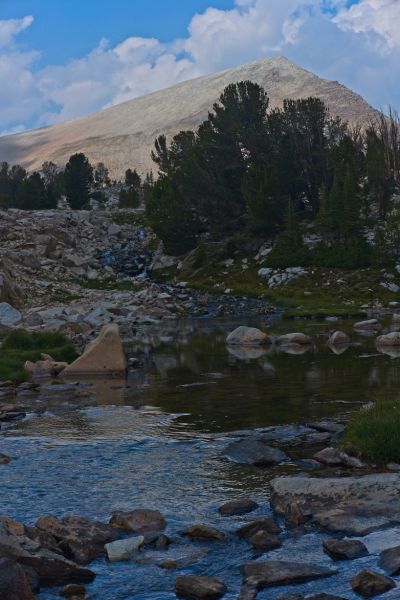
{"x": 158, "y": 442}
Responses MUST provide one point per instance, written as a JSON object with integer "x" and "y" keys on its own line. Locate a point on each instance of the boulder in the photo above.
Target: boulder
{"x": 262, "y": 541}
{"x": 275, "y": 572}
{"x": 193, "y": 587}
{"x": 140, "y": 521}
{"x": 103, "y": 356}
{"x": 368, "y": 584}
{"x": 294, "y": 515}
{"x": 339, "y": 338}
{"x": 369, "y": 325}
{"x": 237, "y": 507}
{"x": 390, "y": 560}
{"x": 344, "y": 549}
{"x": 249, "y": 530}
{"x": 333, "y": 457}
{"x": 47, "y": 368}
{"x": 9, "y": 316}
{"x": 254, "y": 452}
{"x": 14, "y": 584}
{"x": 203, "y": 532}
{"x": 349, "y": 505}
{"x": 389, "y": 339}
{"x": 247, "y": 336}
{"x": 84, "y": 538}
{"x": 299, "y": 339}
{"x": 73, "y": 590}
{"x": 123, "y": 549}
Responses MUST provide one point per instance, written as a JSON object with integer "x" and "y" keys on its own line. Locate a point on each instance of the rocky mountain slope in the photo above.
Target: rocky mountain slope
{"x": 123, "y": 136}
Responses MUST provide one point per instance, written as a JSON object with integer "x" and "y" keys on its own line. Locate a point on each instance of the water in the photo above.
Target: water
{"x": 158, "y": 442}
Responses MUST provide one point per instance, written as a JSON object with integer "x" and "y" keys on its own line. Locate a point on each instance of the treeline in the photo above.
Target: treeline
{"x": 79, "y": 183}
{"x": 280, "y": 173}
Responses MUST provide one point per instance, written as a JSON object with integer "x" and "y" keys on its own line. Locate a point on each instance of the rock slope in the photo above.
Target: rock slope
{"x": 123, "y": 136}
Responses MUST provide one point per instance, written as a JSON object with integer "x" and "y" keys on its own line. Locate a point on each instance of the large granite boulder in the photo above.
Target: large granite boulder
{"x": 104, "y": 356}
{"x": 247, "y": 336}
{"x": 350, "y": 505}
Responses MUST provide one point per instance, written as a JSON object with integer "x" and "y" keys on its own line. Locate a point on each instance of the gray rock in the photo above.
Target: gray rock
{"x": 193, "y": 587}
{"x": 368, "y": 325}
{"x": 300, "y": 339}
{"x": 333, "y": 456}
{"x": 123, "y": 549}
{"x": 9, "y": 316}
{"x": 237, "y": 507}
{"x": 247, "y": 336}
{"x": 275, "y": 572}
{"x": 389, "y": 339}
{"x": 254, "y": 452}
{"x": 390, "y": 560}
{"x": 368, "y": 584}
{"x": 344, "y": 549}
{"x": 339, "y": 338}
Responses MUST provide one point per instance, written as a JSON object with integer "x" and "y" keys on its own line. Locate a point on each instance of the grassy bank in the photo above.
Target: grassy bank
{"x": 20, "y": 346}
{"x": 375, "y": 433}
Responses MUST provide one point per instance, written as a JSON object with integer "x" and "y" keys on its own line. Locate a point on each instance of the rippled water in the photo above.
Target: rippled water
{"x": 158, "y": 442}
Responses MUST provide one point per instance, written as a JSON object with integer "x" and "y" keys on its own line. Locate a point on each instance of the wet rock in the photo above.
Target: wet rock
{"x": 247, "y": 592}
{"x": 14, "y": 584}
{"x": 368, "y": 325}
{"x": 193, "y": 587}
{"x": 344, "y": 549}
{"x": 324, "y": 596}
{"x": 103, "y": 356}
{"x": 140, "y": 521}
{"x": 262, "y": 541}
{"x": 368, "y": 584}
{"x": 328, "y": 427}
{"x": 254, "y": 452}
{"x": 301, "y": 339}
{"x": 247, "y": 336}
{"x": 4, "y": 459}
{"x": 349, "y": 505}
{"x": 390, "y": 560}
{"x": 250, "y": 529}
{"x": 294, "y": 515}
{"x": 204, "y": 532}
{"x": 47, "y": 368}
{"x": 82, "y": 538}
{"x": 390, "y": 339}
{"x": 123, "y": 549}
{"x": 238, "y": 507}
{"x": 334, "y": 457}
{"x": 72, "y": 590}
{"x": 9, "y": 316}
{"x": 162, "y": 542}
{"x": 339, "y": 338}
{"x": 275, "y": 572}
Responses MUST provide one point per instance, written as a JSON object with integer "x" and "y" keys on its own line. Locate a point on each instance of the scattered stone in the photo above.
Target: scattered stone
{"x": 344, "y": 549}
{"x": 14, "y": 584}
{"x": 254, "y": 452}
{"x": 275, "y": 572}
{"x": 288, "y": 339}
{"x": 237, "y": 507}
{"x": 250, "y": 529}
{"x": 247, "y": 336}
{"x": 339, "y": 338}
{"x": 334, "y": 457}
{"x": 9, "y": 316}
{"x": 368, "y": 584}
{"x": 140, "y": 521}
{"x": 123, "y": 549}
{"x": 390, "y": 560}
{"x": 369, "y": 325}
{"x": 204, "y": 532}
{"x": 103, "y": 356}
{"x": 262, "y": 541}
{"x": 194, "y": 587}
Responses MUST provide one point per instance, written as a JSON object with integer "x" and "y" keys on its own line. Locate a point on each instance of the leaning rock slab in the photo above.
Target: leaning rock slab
{"x": 254, "y": 452}
{"x": 368, "y": 584}
{"x": 350, "y": 505}
{"x": 275, "y": 572}
{"x": 247, "y": 336}
{"x": 193, "y": 587}
{"x": 104, "y": 356}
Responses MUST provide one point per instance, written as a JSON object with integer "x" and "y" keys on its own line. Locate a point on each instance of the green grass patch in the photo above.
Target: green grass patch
{"x": 20, "y": 346}
{"x": 375, "y": 434}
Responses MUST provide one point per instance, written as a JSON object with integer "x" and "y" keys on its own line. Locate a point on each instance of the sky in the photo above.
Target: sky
{"x": 61, "y": 59}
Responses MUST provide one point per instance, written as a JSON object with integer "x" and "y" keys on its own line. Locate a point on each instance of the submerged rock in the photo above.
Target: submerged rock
{"x": 390, "y": 560}
{"x": 103, "y": 356}
{"x": 344, "y": 549}
{"x": 262, "y": 541}
{"x": 141, "y": 521}
{"x": 4, "y": 459}
{"x": 247, "y": 336}
{"x": 202, "y": 588}
{"x": 123, "y": 549}
{"x": 368, "y": 584}
{"x": 204, "y": 532}
{"x": 275, "y": 572}
{"x": 237, "y": 507}
{"x": 248, "y": 530}
{"x": 254, "y": 452}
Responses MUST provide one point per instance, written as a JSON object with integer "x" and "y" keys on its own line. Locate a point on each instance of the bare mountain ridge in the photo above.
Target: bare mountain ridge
{"x": 123, "y": 136}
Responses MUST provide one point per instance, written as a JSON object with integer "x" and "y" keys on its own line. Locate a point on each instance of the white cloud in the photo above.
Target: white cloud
{"x": 358, "y": 45}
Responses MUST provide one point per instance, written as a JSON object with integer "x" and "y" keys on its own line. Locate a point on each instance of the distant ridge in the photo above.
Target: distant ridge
{"x": 123, "y": 136}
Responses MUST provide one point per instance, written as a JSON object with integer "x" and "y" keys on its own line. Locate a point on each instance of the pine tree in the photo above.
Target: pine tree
{"x": 78, "y": 178}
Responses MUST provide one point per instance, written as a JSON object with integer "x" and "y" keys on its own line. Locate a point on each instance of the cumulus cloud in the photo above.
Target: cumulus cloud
{"x": 358, "y": 45}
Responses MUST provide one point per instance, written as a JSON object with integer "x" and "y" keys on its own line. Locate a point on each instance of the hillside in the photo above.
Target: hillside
{"x": 123, "y": 136}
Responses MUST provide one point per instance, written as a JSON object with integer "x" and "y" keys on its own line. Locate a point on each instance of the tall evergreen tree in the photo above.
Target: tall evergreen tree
{"x": 78, "y": 178}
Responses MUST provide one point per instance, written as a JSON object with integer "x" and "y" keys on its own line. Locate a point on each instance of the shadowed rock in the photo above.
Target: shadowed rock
{"x": 141, "y": 521}
{"x": 202, "y": 588}
{"x": 344, "y": 549}
{"x": 368, "y": 584}
{"x": 390, "y": 560}
{"x": 237, "y": 507}
{"x": 275, "y": 572}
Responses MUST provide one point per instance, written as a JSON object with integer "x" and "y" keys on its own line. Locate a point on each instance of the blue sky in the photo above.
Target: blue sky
{"x": 60, "y": 59}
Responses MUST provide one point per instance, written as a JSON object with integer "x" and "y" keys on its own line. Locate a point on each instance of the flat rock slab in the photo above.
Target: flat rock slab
{"x": 368, "y": 584}
{"x": 344, "y": 549}
{"x": 350, "y": 505}
{"x": 390, "y": 560}
{"x": 254, "y": 452}
{"x": 275, "y": 572}
{"x": 193, "y": 587}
